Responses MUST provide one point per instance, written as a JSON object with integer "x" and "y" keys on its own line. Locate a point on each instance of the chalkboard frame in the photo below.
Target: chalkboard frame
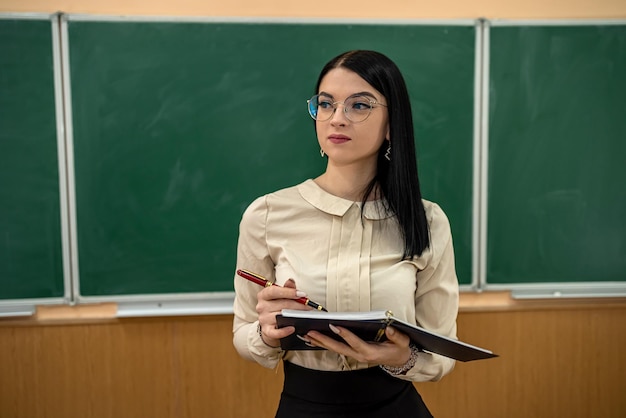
{"x": 522, "y": 290}
{"x": 157, "y": 301}
{"x": 221, "y": 302}
{"x": 26, "y": 306}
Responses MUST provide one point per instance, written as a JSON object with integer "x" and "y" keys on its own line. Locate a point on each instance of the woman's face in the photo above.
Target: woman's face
{"x": 346, "y": 142}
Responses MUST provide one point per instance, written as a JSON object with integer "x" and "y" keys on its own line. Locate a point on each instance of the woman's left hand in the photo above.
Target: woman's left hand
{"x": 394, "y": 352}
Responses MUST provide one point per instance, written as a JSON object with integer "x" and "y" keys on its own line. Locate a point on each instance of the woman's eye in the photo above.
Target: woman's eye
{"x": 361, "y": 106}
{"x": 324, "y": 104}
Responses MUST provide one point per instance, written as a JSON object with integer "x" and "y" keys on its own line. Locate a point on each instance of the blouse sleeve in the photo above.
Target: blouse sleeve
{"x": 436, "y": 298}
{"x": 253, "y": 255}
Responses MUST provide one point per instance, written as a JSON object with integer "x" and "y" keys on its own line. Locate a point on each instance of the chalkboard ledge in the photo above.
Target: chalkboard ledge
{"x": 488, "y": 301}
{"x": 469, "y": 302}
{"x": 64, "y": 314}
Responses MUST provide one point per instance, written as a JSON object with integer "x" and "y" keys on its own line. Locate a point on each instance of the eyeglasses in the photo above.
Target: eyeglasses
{"x": 356, "y": 108}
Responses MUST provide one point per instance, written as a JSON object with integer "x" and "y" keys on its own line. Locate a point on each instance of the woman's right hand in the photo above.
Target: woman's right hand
{"x": 271, "y": 301}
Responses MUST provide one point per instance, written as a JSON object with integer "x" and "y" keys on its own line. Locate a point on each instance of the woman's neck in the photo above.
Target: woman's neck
{"x": 349, "y": 184}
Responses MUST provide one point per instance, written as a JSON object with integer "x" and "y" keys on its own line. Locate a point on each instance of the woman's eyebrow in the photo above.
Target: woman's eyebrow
{"x": 360, "y": 93}
{"x": 363, "y": 93}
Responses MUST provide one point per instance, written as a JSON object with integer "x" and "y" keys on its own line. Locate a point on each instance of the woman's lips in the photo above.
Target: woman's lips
{"x": 338, "y": 139}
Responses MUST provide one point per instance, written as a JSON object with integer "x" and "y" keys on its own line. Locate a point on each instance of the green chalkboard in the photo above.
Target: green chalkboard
{"x": 557, "y": 154}
{"x": 31, "y": 263}
{"x": 178, "y": 126}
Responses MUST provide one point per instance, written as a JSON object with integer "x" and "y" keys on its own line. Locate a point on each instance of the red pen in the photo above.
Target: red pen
{"x": 261, "y": 281}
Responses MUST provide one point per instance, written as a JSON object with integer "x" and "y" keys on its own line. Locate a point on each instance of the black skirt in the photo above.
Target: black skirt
{"x": 367, "y": 393}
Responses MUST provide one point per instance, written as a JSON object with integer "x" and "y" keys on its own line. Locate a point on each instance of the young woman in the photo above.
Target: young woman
{"x": 357, "y": 238}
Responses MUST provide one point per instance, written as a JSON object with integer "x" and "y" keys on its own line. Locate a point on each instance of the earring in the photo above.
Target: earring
{"x": 388, "y": 152}
{"x": 322, "y": 152}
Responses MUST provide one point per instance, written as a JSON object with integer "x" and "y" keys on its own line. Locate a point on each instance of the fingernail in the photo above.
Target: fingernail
{"x": 307, "y": 341}
{"x": 391, "y": 331}
{"x": 300, "y": 293}
{"x": 334, "y": 329}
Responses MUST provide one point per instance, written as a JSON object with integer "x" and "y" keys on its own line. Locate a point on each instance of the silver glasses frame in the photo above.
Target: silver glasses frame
{"x": 373, "y": 103}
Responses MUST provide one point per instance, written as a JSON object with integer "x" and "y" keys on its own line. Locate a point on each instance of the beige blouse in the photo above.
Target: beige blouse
{"x": 346, "y": 263}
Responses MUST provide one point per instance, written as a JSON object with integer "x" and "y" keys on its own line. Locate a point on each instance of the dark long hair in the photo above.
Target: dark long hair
{"x": 397, "y": 179}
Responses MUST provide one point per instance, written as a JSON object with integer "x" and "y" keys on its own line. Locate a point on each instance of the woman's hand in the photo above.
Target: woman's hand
{"x": 272, "y": 300}
{"x": 394, "y": 352}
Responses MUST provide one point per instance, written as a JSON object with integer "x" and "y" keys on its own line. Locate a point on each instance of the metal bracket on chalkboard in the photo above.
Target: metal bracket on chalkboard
{"x": 17, "y": 311}
{"x": 174, "y": 308}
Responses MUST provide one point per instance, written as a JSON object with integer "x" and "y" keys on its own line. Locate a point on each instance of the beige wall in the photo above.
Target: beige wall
{"x": 517, "y": 9}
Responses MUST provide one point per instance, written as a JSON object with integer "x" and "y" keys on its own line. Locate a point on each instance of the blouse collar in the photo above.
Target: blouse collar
{"x": 334, "y": 205}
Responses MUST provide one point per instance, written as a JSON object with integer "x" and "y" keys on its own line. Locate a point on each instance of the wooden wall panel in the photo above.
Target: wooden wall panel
{"x": 554, "y": 363}
{"x": 170, "y": 367}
